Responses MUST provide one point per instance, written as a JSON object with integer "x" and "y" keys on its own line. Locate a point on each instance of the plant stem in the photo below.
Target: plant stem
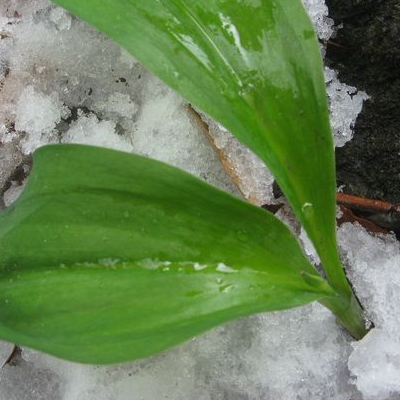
{"x": 349, "y": 315}
{"x": 344, "y": 304}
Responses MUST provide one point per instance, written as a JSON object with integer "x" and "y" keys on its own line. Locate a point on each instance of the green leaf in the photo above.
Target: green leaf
{"x": 108, "y": 256}
{"x": 253, "y": 65}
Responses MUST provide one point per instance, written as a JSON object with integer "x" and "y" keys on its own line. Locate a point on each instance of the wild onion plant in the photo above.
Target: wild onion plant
{"x": 108, "y": 256}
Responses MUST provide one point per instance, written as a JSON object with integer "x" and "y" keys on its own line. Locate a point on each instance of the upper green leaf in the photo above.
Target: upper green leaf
{"x": 108, "y": 256}
{"x": 254, "y": 65}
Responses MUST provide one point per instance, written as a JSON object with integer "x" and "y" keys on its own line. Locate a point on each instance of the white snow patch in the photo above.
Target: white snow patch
{"x": 12, "y": 193}
{"x": 375, "y": 364}
{"x": 309, "y": 247}
{"x": 345, "y": 103}
{"x": 252, "y": 176}
{"x": 60, "y": 18}
{"x": 375, "y": 272}
{"x": 37, "y": 115}
{"x": 5, "y": 351}
{"x": 118, "y": 103}
{"x": 318, "y": 12}
{"x": 88, "y": 129}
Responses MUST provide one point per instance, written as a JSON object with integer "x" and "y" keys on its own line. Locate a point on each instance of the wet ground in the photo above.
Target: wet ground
{"x": 366, "y": 52}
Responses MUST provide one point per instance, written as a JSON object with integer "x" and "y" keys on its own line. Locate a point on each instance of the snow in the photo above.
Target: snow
{"x": 12, "y": 193}
{"x": 88, "y": 129}
{"x": 117, "y": 103}
{"x": 60, "y": 18}
{"x": 375, "y": 273}
{"x": 271, "y": 356}
{"x": 165, "y": 130}
{"x": 10, "y": 159}
{"x": 318, "y": 12}
{"x": 37, "y": 115}
{"x": 247, "y": 170}
{"x": 61, "y": 81}
{"x": 29, "y": 381}
{"x": 375, "y": 364}
{"x": 61, "y": 88}
{"x": 5, "y": 351}
{"x": 345, "y": 103}
{"x": 308, "y": 247}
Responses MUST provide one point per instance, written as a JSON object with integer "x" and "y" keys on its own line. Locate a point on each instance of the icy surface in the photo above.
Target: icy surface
{"x": 60, "y": 18}
{"x": 10, "y": 158}
{"x": 345, "y": 103}
{"x": 5, "y": 351}
{"x": 318, "y": 12}
{"x": 65, "y": 82}
{"x": 12, "y": 193}
{"x": 37, "y": 115}
{"x": 61, "y": 81}
{"x": 308, "y": 247}
{"x": 88, "y": 129}
{"x": 299, "y": 354}
{"x": 375, "y": 273}
{"x": 246, "y": 169}
{"x": 24, "y": 380}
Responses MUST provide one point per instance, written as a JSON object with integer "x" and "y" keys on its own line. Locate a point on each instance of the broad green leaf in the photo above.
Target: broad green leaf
{"x": 108, "y": 256}
{"x": 254, "y": 65}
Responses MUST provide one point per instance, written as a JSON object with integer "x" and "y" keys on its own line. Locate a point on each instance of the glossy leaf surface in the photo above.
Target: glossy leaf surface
{"x": 108, "y": 256}
{"x": 254, "y": 65}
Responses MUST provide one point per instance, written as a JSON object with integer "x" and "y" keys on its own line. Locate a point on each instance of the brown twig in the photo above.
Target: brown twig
{"x": 364, "y": 204}
{"x": 382, "y": 213}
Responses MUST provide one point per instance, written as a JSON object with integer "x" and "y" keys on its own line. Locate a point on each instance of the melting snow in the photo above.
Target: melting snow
{"x": 62, "y": 81}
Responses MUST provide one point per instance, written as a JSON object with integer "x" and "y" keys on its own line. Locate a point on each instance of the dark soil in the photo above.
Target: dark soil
{"x": 366, "y": 52}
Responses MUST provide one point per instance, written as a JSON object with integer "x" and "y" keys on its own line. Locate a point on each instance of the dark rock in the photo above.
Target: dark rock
{"x": 366, "y": 52}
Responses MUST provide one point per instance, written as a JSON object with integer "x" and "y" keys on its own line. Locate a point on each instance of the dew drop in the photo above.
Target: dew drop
{"x": 226, "y": 288}
{"x": 307, "y": 208}
{"x": 224, "y": 268}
